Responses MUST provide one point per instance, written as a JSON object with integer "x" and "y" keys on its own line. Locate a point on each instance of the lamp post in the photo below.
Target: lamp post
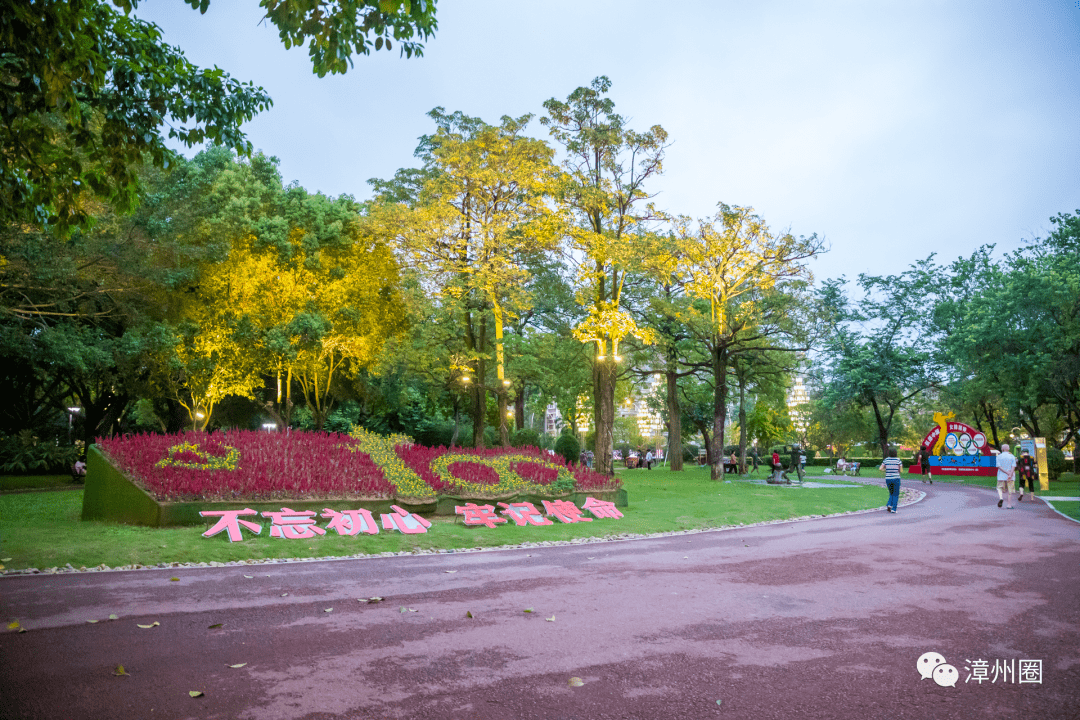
{"x": 72, "y": 412}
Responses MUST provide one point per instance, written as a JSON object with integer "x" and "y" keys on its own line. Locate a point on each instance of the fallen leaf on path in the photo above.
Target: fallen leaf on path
{"x": 576, "y": 682}
{"x": 114, "y": 617}
{"x": 215, "y": 626}
{"x": 238, "y": 665}
{"x": 147, "y": 627}
{"x": 451, "y": 571}
{"x": 91, "y": 621}
{"x": 195, "y": 693}
{"x": 593, "y": 557}
{"x": 412, "y": 610}
{"x": 120, "y": 671}
{"x": 528, "y": 609}
{"x": 329, "y": 610}
{"x": 13, "y": 625}
{"x": 403, "y": 609}
{"x": 550, "y": 619}
{"x": 376, "y": 599}
{"x": 468, "y": 614}
{"x": 363, "y": 600}
{"x": 174, "y": 579}
{"x": 22, "y": 630}
{"x": 249, "y": 576}
{"x": 719, "y": 702}
{"x": 284, "y": 594}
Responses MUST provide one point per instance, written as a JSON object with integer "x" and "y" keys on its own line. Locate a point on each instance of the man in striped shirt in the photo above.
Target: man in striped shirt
{"x": 892, "y": 466}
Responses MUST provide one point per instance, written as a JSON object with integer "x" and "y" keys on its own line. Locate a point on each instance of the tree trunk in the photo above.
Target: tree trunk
{"x": 604, "y": 413}
{"x": 674, "y": 412}
{"x": 703, "y": 428}
{"x": 457, "y": 422}
{"x": 519, "y": 409}
{"x": 720, "y": 371}
{"x": 883, "y": 428}
{"x": 742, "y": 425}
{"x": 504, "y": 430}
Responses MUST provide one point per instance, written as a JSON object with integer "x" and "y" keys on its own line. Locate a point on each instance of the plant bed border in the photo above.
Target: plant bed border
{"x": 111, "y": 496}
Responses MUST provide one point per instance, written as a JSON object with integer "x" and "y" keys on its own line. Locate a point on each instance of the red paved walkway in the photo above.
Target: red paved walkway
{"x": 817, "y": 619}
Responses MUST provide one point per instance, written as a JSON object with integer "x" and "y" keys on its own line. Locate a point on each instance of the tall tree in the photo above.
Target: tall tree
{"x": 479, "y": 212}
{"x": 751, "y": 291}
{"x": 877, "y": 358}
{"x": 608, "y": 169}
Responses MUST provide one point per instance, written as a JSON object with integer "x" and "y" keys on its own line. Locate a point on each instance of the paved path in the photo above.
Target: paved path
{"x": 816, "y": 619}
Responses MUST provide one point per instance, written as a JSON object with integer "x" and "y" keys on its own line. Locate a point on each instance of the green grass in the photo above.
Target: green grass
{"x": 44, "y": 530}
{"x": 10, "y": 483}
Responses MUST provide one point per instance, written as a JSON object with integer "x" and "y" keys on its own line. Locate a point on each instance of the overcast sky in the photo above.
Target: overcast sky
{"x": 892, "y": 129}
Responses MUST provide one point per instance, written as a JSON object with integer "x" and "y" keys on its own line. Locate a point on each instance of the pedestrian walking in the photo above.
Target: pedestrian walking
{"x": 1025, "y": 469}
{"x": 892, "y": 466}
{"x": 926, "y": 466}
{"x": 1006, "y": 470}
{"x": 648, "y": 460}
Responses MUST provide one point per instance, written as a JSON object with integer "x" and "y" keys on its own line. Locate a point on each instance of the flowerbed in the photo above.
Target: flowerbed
{"x": 258, "y": 466}
{"x": 424, "y": 472}
{"x": 247, "y": 464}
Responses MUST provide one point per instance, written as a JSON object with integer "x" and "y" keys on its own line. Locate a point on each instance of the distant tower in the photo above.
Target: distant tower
{"x": 797, "y": 397}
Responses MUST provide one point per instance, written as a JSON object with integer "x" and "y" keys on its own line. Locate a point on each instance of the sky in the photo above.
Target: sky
{"x": 891, "y": 129}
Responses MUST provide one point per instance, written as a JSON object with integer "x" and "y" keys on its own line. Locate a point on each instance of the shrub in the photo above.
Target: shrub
{"x": 568, "y": 447}
{"x": 25, "y": 454}
{"x": 1055, "y": 462}
{"x": 525, "y": 437}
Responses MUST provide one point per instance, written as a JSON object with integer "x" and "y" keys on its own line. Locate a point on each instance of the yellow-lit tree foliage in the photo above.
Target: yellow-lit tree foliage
{"x": 479, "y": 215}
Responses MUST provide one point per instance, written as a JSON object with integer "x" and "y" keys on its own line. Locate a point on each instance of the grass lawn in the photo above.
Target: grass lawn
{"x": 43, "y": 530}
{"x": 9, "y": 483}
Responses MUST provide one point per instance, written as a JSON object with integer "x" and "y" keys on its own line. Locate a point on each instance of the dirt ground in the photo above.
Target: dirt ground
{"x": 825, "y": 618}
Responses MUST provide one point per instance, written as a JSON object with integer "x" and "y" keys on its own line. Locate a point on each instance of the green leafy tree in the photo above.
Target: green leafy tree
{"x": 750, "y": 288}
{"x": 481, "y": 211}
{"x": 876, "y": 357}
{"x": 608, "y": 167}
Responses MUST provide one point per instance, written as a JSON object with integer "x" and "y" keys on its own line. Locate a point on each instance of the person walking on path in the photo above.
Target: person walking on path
{"x": 1006, "y": 469}
{"x": 648, "y": 460}
{"x": 926, "y": 465}
{"x": 892, "y": 466}
{"x": 755, "y": 460}
{"x": 1025, "y": 467}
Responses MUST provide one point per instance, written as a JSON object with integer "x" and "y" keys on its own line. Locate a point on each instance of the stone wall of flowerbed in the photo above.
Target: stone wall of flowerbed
{"x": 166, "y": 480}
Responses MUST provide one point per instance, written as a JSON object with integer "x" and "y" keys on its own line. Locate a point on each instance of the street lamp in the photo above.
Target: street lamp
{"x": 72, "y": 412}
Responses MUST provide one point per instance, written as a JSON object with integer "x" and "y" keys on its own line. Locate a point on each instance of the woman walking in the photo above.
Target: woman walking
{"x": 892, "y": 466}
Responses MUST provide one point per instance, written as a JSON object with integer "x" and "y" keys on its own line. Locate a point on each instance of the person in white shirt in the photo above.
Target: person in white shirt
{"x": 648, "y": 460}
{"x": 1006, "y": 471}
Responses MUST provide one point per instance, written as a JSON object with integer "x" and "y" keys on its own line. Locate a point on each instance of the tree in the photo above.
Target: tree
{"x": 750, "y": 291}
{"x": 1013, "y": 338}
{"x": 86, "y": 92}
{"x": 608, "y": 166}
{"x": 84, "y": 96}
{"x": 270, "y": 281}
{"x": 876, "y": 357}
{"x": 479, "y": 213}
